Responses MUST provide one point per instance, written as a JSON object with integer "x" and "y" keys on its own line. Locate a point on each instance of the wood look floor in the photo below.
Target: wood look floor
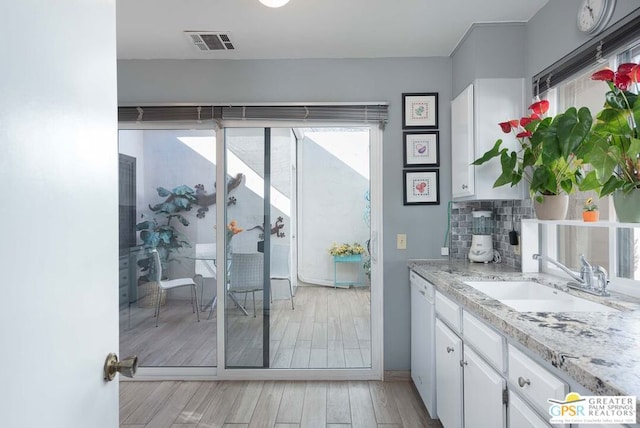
{"x": 272, "y": 404}
{"x": 329, "y": 328}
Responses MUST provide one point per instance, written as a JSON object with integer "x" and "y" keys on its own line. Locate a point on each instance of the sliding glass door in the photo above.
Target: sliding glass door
{"x": 291, "y": 196}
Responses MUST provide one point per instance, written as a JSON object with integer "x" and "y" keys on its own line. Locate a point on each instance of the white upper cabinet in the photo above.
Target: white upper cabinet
{"x": 475, "y": 115}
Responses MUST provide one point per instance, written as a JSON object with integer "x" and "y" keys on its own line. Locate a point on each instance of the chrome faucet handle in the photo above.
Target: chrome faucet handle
{"x": 583, "y": 261}
{"x": 602, "y": 279}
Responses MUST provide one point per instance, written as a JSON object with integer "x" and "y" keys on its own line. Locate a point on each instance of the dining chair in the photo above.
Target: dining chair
{"x": 205, "y": 268}
{"x": 281, "y": 267}
{"x": 170, "y": 284}
{"x": 246, "y": 276}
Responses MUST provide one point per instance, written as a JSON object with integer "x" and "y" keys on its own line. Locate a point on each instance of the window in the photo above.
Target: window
{"x": 616, "y": 249}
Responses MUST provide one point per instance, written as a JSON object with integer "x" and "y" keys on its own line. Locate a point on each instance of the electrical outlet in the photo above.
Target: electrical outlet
{"x": 444, "y": 251}
{"x": 401, "y": 241}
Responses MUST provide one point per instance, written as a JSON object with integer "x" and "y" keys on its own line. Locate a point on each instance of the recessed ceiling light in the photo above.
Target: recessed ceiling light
{"x": 274, "y": 3}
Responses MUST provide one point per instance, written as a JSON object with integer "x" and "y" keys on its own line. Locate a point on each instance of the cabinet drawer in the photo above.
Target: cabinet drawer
{"x": 449, "y": 311}
{"x": 484, "y": 340}
{"x": 533, "y": 381}
{"x": 124, "y": 277}
{"x": 522, "y": 416}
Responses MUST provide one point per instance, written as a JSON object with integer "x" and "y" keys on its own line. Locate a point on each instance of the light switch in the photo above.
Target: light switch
{"x": 401, "y": 241}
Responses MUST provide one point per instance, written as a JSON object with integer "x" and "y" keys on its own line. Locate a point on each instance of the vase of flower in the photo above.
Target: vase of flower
{"x": 590, "y": 211}
{"x": 547, "y": 157}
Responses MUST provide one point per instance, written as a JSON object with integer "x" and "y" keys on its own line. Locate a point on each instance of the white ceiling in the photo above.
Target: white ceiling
{"x": 151, "y": 29}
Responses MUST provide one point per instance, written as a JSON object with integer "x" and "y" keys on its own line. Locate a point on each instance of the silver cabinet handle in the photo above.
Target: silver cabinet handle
{"x": 450, "y": 349}
{"x": 463, "y": 363}
{"x": 464, "y": 186}
{"x": 522, "y": 382}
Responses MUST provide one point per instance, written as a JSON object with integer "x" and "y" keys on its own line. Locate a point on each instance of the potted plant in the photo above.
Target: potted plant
{"x": 159, "y": 232}
{"x": 347, "y": 251}
{"x": 547, "y": 158}
{"x": 590, "y": 211}
{"x": 614, "y": 147}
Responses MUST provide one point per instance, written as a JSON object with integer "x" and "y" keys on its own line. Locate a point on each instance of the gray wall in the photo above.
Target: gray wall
{"x": 158, "y": 81}
{"x": 552, "y": 33}
{"x": 489, "y": 51}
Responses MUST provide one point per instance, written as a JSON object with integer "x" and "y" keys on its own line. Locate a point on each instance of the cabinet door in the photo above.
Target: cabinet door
{"x": 462, "y": 145}
{"x": 483, "y": 406}
{"x": 419, "y": 345}
{"x": 448, "y": 376}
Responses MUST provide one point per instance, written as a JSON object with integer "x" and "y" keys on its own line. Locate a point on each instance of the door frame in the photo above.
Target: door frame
{"x": 376, "y": 371}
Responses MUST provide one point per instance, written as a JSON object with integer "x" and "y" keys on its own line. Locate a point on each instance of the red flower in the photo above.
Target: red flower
{"x": 634, "y": 74}
{"x": 524, "y": 134}
{"x": 622, "y": 81}
{"x": 535, "y": 116}
{"x": 525, "y": 121}
{"x": 607, "y": 75}
{"x": 506, "y": 127}
{"x": 541, "y": 107}
{"x": 625, "y": 68}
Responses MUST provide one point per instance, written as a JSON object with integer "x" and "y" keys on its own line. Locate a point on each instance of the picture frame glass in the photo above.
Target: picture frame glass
{"x": 421, "y": 187}
{"x": 420, "y": 110}
{"x": 421, "y": 149}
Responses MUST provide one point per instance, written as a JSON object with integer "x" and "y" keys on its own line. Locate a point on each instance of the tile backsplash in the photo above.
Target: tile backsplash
{"x": 506, "y": 217}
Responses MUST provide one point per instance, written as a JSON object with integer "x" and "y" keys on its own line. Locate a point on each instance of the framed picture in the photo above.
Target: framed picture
{"x": 420, "y": 110}
{"x": 421, "y": 148}
{"x": 421, "y": 187}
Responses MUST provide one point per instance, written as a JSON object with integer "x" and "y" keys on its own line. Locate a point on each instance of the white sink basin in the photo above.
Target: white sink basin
{"x": 529, "y": 296}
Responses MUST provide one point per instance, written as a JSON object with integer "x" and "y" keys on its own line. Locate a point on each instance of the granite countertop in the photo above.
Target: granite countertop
{"x": 600, "y": 351}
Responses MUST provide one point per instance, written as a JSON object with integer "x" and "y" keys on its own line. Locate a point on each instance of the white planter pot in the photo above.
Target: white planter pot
{"x": 552, "y": 207}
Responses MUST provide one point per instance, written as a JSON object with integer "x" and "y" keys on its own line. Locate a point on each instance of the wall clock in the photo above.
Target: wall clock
{"x": 594, "y": 15}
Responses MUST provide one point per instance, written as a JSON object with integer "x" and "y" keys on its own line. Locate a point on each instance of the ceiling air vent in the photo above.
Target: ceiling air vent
{"x": 210, "y": 40}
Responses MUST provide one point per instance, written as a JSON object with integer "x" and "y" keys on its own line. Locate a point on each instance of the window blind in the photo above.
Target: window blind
{"x": 596, "y": 50}
{"x": 356, "y": 113}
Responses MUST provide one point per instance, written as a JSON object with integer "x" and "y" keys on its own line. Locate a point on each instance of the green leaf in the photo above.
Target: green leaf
{"x": 508, "y": 162}
{"x": 144, "y": 225}
{"x": 163, "y": 192}
{"x": 612, "y": 122}
{"x": 567, "y": 186}
{"x": 615, "y": 100}
{"x": 490, "y": 154}
{"x": 634, "y": 148}
{"x": 182, "y": 202}
{"x": 183, "y": 190}
{"x": 590, "y": 182}
{"x": 573, "y": 128}
{"x": 543, "y": 180}
{"x": 611, "y": 185}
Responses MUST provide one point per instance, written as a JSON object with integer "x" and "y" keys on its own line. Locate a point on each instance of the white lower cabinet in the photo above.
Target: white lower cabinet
{"x": 483, "y": 389}
{"x": 448, "y": 376}
{"x": 522, "y": 416}
{"x": 466, "y": 385}
{"x": 476, "y": 369}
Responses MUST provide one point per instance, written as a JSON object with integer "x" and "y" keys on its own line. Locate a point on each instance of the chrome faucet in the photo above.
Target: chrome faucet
{"x": 592, "y": 279}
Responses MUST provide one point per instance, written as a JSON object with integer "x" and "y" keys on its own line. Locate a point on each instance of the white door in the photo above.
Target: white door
{"x": 448, "y": 376}
{"x": 483, "y": 388}
{"x": 59, "y": 249}
{"x": 462, "y": 145}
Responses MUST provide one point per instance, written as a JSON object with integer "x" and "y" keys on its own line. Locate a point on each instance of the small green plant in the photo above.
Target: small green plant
{"x": 589, "y": 205}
